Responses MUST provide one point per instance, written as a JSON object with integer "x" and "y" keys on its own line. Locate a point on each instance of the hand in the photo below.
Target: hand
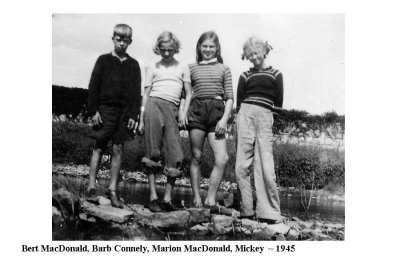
{"x": 220, "y": 128}
{"x": 183, "y": 121}
{"x": 141, "y": 127}
{"x": 131, "y": 124}
{"x": 96, "y": 119}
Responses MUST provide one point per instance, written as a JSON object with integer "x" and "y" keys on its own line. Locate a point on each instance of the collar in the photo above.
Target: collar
{"x": 205, "y": 62}
{"x": 120, "y": 59}
{"x": 266, "y": 68}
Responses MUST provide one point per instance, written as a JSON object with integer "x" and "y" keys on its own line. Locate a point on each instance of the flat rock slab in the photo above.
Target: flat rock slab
{"x": 199, "y": 230}
{"x": 279, "y": 228}
{"x": 106, "y": 213}
{"x": 250, "y": 224}
{"x": 199, "y": 215}
{"x": 222, "y": 220}
{"x": 167, "y": 220}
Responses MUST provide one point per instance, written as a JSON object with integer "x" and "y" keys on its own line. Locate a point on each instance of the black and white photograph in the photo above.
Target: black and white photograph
{"x": 199, "y": 133}
{"x": 198, "y": 127}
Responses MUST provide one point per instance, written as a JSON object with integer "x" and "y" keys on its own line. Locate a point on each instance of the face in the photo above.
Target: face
{"x": 208, "y": 49}
{"x": 167, "y": 50}
{"x": 121, "y": 43}
{"x": 255, "y": 55}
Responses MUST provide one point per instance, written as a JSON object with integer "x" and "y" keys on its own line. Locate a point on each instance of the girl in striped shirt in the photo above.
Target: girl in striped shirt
{"x": 208, "y": 114}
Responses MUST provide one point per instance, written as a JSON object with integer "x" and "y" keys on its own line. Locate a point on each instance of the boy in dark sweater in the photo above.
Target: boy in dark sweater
{"x": 114, "y": 105}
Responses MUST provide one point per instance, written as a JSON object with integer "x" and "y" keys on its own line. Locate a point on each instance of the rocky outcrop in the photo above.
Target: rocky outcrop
{"x": 135, "y": 222}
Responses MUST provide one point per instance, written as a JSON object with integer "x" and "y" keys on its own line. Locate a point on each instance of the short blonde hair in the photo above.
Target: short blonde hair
{"x": 167, "y": 36}
{"x": 123, "y": 30}
{"x": 255, "y": 43}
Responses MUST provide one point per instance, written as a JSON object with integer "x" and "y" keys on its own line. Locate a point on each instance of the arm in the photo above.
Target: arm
{"x": 146, "y": 94}
{"x": 147, "y": 89}
{"x": 134, "y": 109}
{"x": 279, "y": 91}
{"x": 222, "y": 124}
{"x": 184, "y": 105}
{"x": 240, "y": 92}
{"x": 94, "y": 89}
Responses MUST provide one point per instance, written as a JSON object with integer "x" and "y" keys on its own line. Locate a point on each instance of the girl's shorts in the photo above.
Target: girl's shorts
{"x": 205, "y": 113}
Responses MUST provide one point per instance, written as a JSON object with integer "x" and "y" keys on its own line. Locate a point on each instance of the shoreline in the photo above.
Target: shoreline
{"x": 140, "y": 177}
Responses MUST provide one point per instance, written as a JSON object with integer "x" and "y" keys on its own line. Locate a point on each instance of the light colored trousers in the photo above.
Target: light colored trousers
{"x": 254, "y": 142}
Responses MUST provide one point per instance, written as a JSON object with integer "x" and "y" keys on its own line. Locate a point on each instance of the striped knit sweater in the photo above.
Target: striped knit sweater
{"x": 211, "y": 80}
{"x": 261, "y": 87}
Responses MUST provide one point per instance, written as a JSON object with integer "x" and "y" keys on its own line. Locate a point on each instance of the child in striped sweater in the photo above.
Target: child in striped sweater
{"x": 212, "y": 102}
{"x": 259, "y": 96}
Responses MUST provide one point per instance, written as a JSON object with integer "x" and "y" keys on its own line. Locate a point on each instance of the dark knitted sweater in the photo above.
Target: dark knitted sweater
{"x": 261, "y": 87}
{"x": 115, "y": 83}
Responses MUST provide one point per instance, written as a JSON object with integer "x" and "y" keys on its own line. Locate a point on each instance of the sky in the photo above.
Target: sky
{"x": 307, "y": 48}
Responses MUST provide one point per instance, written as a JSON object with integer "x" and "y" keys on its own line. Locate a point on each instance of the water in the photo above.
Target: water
{"x": 321, "y": 209}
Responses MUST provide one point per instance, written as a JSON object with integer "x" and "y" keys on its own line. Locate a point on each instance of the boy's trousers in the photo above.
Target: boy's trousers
{"x": 254, "y": 141}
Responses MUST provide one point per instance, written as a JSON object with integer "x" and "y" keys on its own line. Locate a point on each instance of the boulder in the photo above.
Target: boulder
{"x": 218, "y": 229}
{"x": 198, "y": 215}
{"x": 293, "y": 225}
{"x": 134, "y": 232}
{"x": 199, "y": 230}
{"x": 83, "y": 216}
{"x": 57, "y": 217}
{"x": 318, "y": 224}
{"x": 305, "y": 224}
{"x": 259, "y": 234}
{"x": 92, "y": 220}
{"x": 279, "y": 237}
{"x": 338, "y": 226}
{"x": 306, "y": 232}
{"x": 106, "y": 213}
{"x": 292, "y": 235}
{"x": 103, "y": 201}
{"x": 320, "y": 236}
{"x": 340, "y": 235}
{"x": 168, "y": 220}
{"x": 250, "y": 224}
{"x": 228, "y": 199}
{"x": 279, "y": 228}
{"x": 222, "y": 220}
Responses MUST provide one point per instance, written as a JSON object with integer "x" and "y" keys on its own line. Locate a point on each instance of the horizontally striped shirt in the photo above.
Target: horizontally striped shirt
{"x": 261, "y": 87}
{"x": 211, "y": 80}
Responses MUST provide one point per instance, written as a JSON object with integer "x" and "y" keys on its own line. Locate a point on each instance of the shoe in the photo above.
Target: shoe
{"x": 112, "y": 195}
{"x": 168, "y": 206}
{"x": 91, "y": 193}
{"x": 153, "y": 206}
{"x": 251, "y": 217}
{"x": 217, "y": 209}
{"x": 269, "y": 221}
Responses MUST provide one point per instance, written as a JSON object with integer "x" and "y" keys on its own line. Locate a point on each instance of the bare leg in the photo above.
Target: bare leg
{"x": 168, "y": 189}
{"x": 115, "y": 166}
{"x": 152, "y": 184}
{"x": 221, "y": 159}
{"x": 197, "y": 138}
{"x": 94, "y": 167}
